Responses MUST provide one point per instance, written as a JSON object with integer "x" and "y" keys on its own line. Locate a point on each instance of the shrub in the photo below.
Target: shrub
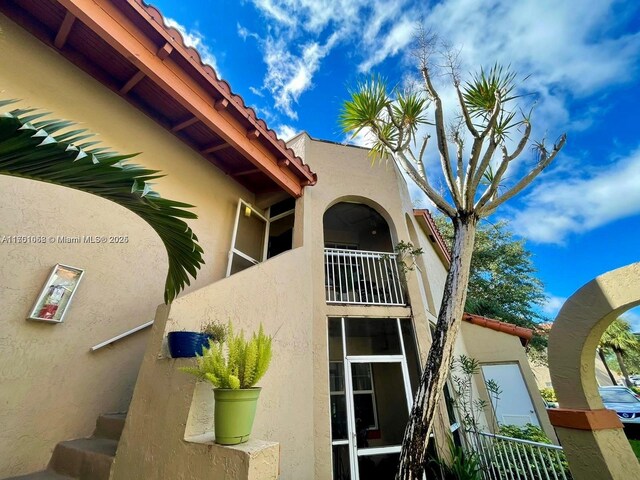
{"x": 463, "y": 465}
{"x": 216, "y": 331}
{"x": 528, "y": 432}
{"x": 548, "y": 394}
{"x": 538, "y": 466}
{"x": 235, "y": 363}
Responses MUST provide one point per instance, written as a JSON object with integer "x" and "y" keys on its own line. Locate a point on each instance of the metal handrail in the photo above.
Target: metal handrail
{"x": 362, "y": 277}
{"x": 520, "y": 440}
{"x": 507, "y": 458}
{"x": 121, "y": 336}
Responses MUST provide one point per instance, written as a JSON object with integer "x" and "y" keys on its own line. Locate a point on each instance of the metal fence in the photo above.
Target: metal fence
{"x": 362, "y": 277}
{"x": 506, "y": 458}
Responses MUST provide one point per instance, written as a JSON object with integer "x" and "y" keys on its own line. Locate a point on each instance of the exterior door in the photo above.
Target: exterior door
{"x": 379, "y": 404}
{"x": 514, "y": 406}
{"x": 371, "y": 396}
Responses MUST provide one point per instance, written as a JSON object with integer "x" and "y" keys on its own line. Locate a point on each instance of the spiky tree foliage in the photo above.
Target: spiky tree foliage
{"x": 235, "y": 363}
{"x": 35, "y": 147}
{"x": 619, "y": 339}
{"x": 475, "y": 187}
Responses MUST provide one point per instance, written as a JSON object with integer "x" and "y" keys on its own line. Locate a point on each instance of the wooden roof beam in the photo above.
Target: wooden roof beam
{"x": 214, "y": 148}
{"x": 182, "y": 125}
{"x": 64, "y": 30}
{"x": 221, "y": 104}
{"x": 165, "y": 50}
{"x": 133, "y": 81}
{"x": 122, "y": 31}
{"x": 246, "y": 172}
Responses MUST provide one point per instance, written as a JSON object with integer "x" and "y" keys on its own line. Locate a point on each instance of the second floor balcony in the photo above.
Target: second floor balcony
{"x": 362, "y": 277}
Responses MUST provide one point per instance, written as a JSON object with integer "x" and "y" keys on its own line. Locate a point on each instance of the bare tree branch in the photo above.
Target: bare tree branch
{"x": 441, "y": 138}
{"x": 497, "y": 108}
{"x": 492, "y": 189}
{"x": 544, "y": 161}
{"x": 465, "y": 114}
{"x": 523, "y": 141}
{"x": 484, "y": 164}
{"x": 459, "y": 141}
{"x": 424, "y": 184}
{"x": 474, "y": 173}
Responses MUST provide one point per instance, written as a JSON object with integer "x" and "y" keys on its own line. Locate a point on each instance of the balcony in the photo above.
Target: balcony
{"x": 362, "y": 277}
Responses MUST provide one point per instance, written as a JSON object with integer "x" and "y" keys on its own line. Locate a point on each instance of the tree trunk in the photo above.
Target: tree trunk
{"x": 606, "y": 366}
{"x": 436, "y": 371}
{"x": 623, "y": 367}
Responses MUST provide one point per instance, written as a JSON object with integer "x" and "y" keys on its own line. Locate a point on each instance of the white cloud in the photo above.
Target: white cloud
{"x": 552, "y": 305}
{"x": 301, "y": 33}
{"x": 557, "y": 42}
{"x": 286, "y": 132}
{"x": 566, "y": 53}
{"x": 245, "y": 33}
{"x": 256, "y": 91}
{"x": 364, "y": 138}
{"x": 289, "y": 75}
{"x": 194, "y": 38}
{"x": 557, "y": 208}
{"x": 393, "y": 42}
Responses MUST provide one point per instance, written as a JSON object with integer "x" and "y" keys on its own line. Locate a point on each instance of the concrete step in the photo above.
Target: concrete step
{"x": 84, "y": 458}
{"x": 44, "y": 475}
{"x": 110, "y": 425}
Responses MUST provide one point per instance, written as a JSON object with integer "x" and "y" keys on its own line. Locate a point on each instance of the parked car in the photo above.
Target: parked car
{"x": 622, "y": 401}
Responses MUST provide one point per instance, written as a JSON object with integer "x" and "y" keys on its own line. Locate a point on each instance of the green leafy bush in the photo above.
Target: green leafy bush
{"x": 463, "y": 465}
{"x": 236, "y": 362}
{"x": 216, "y": 331}
{"x": 548, "y": 394}
{"x": 538, "y": 465}
{"x": 528, "y": 432}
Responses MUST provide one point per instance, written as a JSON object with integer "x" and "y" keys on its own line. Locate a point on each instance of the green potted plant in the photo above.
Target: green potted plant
{"x": 233, "y": 367}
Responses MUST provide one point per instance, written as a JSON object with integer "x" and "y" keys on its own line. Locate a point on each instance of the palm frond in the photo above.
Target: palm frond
{"x": 31, "y": 149}
{"x": 479, "y": 93}
{"x": 372, "y": 109}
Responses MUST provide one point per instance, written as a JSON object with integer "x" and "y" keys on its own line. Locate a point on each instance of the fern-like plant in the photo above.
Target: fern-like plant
{"x": 235, "y": 363}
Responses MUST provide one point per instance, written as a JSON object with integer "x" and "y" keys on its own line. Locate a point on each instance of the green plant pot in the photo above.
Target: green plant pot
{"x": 234, "y": 414}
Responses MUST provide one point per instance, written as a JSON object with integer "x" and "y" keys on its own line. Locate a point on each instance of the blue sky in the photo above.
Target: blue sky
{"x": 294, "y": 61}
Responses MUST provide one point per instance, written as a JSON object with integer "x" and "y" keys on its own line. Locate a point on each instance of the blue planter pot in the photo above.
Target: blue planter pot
{"x": 187, "y": 344}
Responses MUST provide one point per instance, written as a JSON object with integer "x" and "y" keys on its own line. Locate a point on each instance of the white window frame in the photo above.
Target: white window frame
{"x": 370, "y": 392}
{"x": 268, "y": 219}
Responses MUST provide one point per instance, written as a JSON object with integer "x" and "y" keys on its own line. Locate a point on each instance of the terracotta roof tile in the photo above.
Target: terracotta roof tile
{"x": 223, "y": 87}
{"x": 525, "y": 334}
{"x": 437, "y": 236}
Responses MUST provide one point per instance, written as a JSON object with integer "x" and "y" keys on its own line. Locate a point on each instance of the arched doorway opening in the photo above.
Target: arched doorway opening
{"x": 591, "y": 435}
{"x": 360, "y": 263}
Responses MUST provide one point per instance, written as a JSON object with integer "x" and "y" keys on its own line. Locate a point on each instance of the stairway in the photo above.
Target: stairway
{"x": 84, "y": 458}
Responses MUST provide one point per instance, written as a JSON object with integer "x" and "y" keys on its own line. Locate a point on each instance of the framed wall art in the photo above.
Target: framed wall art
{"x": 57, "y": 293}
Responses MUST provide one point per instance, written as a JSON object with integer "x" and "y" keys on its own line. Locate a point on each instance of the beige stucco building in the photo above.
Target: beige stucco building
{"x": 298, "y": 237}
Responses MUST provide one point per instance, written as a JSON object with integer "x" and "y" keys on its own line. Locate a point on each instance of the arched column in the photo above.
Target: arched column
{"x": 592, "y": 437}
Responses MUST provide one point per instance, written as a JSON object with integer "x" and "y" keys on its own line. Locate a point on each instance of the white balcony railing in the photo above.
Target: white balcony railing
{"x": 506, "y": 458}
{"x": 362, "y": 277}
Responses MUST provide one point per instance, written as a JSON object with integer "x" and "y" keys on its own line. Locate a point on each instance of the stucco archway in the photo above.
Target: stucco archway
{"x": 592, "y": 437}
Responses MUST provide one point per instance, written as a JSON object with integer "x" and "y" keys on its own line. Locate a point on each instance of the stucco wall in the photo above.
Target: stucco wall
{"x": 52, "y": 387}
{"x": 489, "y": 346}
{"x": 347, "y": 174}
{"x": 276, "y": 293}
